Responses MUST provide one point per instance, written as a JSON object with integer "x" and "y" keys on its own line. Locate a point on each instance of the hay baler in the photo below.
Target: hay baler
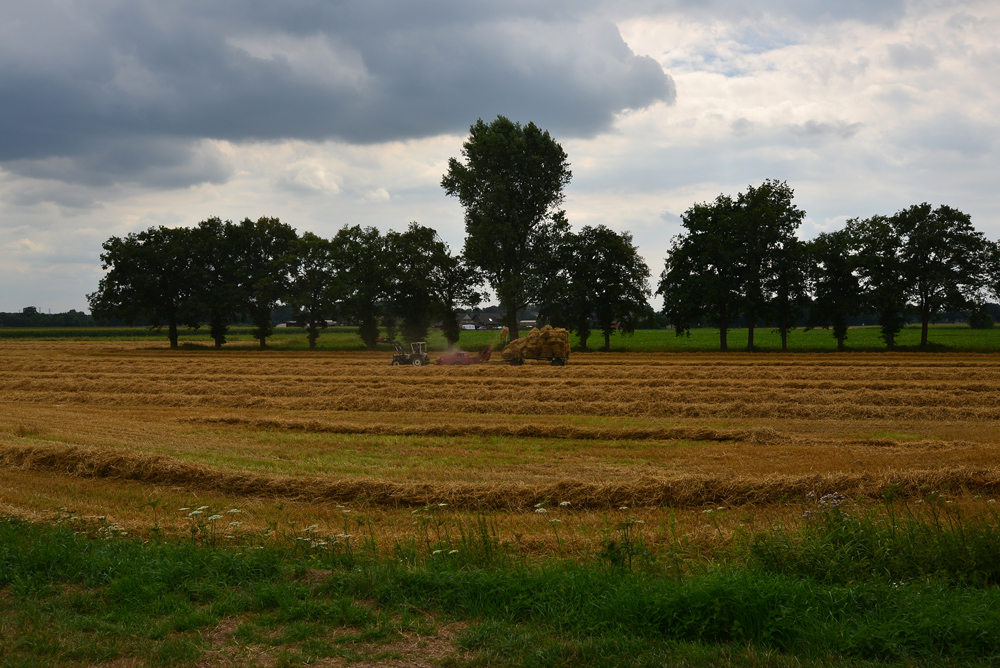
{"x": 462, "y": 357}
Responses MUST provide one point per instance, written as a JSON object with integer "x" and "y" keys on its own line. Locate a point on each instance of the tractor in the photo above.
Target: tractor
{"x": 417, "y": 355}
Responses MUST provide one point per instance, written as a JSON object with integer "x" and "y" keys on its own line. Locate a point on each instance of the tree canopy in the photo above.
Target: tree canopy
{"x": 149, "y": 277}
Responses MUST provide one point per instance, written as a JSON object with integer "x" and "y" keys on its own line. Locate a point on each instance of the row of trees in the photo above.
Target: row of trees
{"x": 740, "y": 256}
{"x": 518, "y": 242}
{"x": 737, "y": 258}
{"x": 217, "y": 273}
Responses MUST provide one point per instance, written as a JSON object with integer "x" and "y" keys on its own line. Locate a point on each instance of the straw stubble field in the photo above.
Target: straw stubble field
{"x": 132, "y": 431}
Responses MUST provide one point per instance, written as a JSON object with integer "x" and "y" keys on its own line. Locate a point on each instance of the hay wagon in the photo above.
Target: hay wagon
{"x": 546, "y": 344}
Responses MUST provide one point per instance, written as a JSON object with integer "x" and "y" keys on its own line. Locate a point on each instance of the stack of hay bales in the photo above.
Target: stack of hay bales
{"x": 545, "y": 342}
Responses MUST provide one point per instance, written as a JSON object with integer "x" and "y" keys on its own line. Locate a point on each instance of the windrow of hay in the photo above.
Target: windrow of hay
{"x": 682, "y": 491}
{"x": 545, "y": 342}
{"x": 746, "y": 405}
{"x": 557, "y": 431}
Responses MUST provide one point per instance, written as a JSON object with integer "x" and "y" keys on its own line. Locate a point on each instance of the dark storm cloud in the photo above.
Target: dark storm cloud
{"x": 98, "y": 92}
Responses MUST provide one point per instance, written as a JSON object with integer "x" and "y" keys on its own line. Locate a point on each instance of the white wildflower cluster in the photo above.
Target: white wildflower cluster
{"x": 825, "y": 505}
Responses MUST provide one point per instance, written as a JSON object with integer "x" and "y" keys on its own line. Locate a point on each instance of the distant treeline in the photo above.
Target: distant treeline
{"x": 740, "y": 258}
{"x": 30, "y": 317}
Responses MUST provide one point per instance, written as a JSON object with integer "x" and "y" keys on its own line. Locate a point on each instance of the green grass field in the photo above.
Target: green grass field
{"x": 859, "y": 339}
{"x": 856, "y": 586}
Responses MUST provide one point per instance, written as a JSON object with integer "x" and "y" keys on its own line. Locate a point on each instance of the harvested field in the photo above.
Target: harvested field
{"x": 645, "y": 431}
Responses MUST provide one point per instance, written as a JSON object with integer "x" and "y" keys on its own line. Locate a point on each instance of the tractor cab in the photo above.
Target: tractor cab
{"x": 417, "y": 355}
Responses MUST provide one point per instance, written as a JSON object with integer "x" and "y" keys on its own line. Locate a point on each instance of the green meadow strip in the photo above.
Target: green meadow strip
{"x": 922, "y": 590}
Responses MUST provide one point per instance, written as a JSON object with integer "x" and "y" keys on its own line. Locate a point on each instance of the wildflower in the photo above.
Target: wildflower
{"x": 442, "y": 505}
{"x": 555, "y": 521}
{"x": 202, "y": 507}
{"x": 181, "y": 510}
{"x": 437, "y": 551}
{"x": 540, "y": 510}
{"x": 721, "y": 508}
{"x": 345, "y": 511}
{"x": 214, "y": 517}
{"x": 453, "y": 552}
{"x": 990, "y": 501}
{"x": 235, "y": 524}
{"x": 194, "y": 512}
{"x": 345, "y": 536}
{"x": 565, "y": 503}
{"x": 234, "y": 511}
{"x": 623, "y": 508}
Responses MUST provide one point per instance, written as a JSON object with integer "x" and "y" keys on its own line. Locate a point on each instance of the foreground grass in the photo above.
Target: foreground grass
{"x": 859, "y": 586}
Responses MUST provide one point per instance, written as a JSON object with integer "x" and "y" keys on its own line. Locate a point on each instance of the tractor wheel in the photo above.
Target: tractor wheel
{"x": 395, "y": 362}
{"x": 558, "y": 362}
{"x": 417, "y": 361}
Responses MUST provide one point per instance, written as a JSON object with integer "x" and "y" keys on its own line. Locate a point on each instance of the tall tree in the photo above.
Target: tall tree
{"x": 264, "y": 265}
{"x": 362, "y": 255}
{"x": 511, "y": 186}
{"x": 946, "y": 260}
{"x": 881, "y": 272}
{"x": 215, "y": 263}
{"x": 765, "y": 230}
{"x": 150, "y": 276}
{"x": 837, "y": 288}
{"x": 701, "y": 272}
{"x": 315, "y": 285}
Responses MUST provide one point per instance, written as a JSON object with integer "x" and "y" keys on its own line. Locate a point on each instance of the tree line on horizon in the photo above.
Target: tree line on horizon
{"x": 738, "y": 259}
{"x": 518, "y": 242}
{"x": 739, "y": 256}
{"x": 219, "y": 272}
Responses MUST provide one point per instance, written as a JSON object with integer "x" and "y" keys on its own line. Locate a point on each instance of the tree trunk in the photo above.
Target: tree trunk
{"x": 840, "y": 343}
{"x": 750, "y": 318}
{"x": 511, "y": 318}
{"x": 723, "y": 328}
{"x": 172, "y": 332}
{"x": 218, "y": 331}
{"x": 313, "y": 335}
{"x": 263, "y": 342}
{"x": 925, "y": 320}
{"x": 784, "y": 332}
{"x": 607, "y": 340}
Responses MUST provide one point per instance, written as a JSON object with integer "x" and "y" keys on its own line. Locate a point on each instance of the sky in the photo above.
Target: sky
{"x": 119, "y": 115}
